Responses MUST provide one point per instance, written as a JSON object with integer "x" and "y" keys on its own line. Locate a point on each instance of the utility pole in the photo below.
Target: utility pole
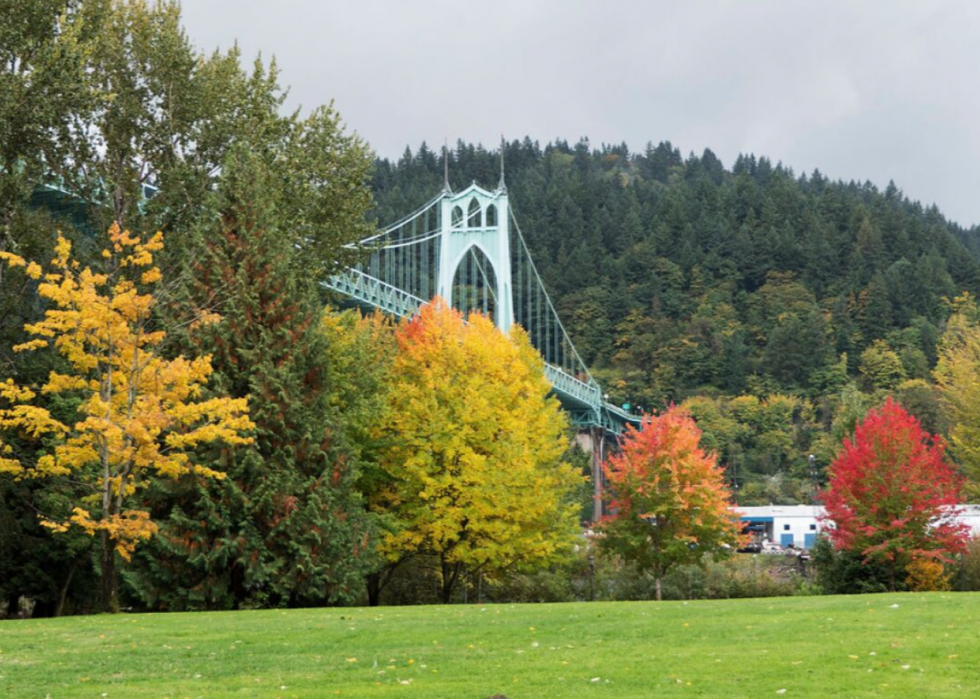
{"x": 735, "y": 478}
{"x": 813, "y": 479}
{"x": 591, "y": 573}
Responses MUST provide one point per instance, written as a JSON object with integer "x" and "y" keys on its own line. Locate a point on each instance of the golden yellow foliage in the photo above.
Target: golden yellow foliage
{"x": 958, "y": 378}
{"x": 927, "y": 575}
{"x": 140, "y": 414}
{"x": 475, "y": 447}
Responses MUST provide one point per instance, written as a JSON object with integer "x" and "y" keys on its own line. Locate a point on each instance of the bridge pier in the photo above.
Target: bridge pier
{"x": 593, "y": 441}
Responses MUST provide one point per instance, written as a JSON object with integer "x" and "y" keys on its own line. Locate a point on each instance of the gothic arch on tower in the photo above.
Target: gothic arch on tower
{"x": 475, "y": 283}
{"x": 474, "y": 214}
{"x": 491, "y": 216}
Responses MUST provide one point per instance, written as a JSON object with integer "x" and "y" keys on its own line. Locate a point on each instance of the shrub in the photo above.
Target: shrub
{"x": 968, "y": 570}
{"x": 927, "y": 575}
{"x": 846, "y": 572}
{"x": 739, "y": 577}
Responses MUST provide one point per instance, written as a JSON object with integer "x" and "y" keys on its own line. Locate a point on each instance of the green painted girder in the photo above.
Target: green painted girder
{"x": 581, "y": 400}
{"x": 366, "y": 290}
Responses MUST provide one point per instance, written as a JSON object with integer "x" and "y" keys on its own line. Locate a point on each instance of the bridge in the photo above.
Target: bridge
{"x": 468, "y": 248}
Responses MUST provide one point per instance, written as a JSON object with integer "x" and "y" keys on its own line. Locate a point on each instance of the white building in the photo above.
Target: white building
{"x": 799, "y": 525}
{"x": 970, "y": 514}
{"x": 786, "y": 525}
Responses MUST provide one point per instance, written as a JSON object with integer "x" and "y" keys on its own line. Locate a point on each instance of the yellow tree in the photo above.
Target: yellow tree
{"x": 474, "y": 457}
{"x": 958, "y": 377}
{"x": 139, "y": 415}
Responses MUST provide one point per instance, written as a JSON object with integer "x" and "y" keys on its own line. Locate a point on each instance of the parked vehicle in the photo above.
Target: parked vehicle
{"x": 771, "y": 547}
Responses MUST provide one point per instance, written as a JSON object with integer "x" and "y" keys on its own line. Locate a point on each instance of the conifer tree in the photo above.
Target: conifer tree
{"x": 286, "y": 527}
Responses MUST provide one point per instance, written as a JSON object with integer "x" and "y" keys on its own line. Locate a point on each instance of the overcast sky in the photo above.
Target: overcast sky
{"x": 861, "y": 90}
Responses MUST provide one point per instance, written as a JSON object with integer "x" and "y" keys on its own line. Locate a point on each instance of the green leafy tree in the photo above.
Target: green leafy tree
{"x": 958, "y": 379}
{"x": 360, "y": 352}
{"x": 881, "y": 367}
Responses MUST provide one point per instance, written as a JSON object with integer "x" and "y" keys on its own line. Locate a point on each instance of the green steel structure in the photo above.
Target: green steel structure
{"x": 468, "y": 248}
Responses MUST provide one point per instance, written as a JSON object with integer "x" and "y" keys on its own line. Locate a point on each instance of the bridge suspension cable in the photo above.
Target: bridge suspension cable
{"x": 405, "y": 255}
{"x": 536, "y": 313}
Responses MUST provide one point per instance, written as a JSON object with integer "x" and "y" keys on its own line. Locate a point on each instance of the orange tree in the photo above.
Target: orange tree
{"x": 670, "y": 502}
{"x": 139, "y": 414}
{"x": 473, "y": 470}
{"x": 892, "y": 495}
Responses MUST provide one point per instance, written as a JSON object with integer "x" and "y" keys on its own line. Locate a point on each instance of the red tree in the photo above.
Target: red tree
{"x": 671, "y": 505}
{"x": 893, "y": 495}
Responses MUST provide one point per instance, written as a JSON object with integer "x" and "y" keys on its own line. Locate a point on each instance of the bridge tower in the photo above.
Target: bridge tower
{"x": 478, "y": 220}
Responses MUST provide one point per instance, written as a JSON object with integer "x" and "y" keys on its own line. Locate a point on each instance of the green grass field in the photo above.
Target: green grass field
{"x": 906, "y": 645}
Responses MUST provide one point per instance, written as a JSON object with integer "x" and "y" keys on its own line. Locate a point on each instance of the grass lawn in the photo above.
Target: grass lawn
{"x": 902, "y": 645}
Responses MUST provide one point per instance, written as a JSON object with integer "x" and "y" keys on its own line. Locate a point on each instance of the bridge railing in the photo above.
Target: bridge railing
{"x": 587, "y": 393}
{"x": 615, "y": 419}
{"x": 370, "y": 291}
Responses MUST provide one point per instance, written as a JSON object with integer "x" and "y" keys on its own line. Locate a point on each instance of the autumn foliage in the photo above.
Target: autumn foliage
{"x": 671, "y": 503}
{"x": 892, "y": 494}
{"x": 474, "y": 450}
{"x": 139, "y": 415}
{"x": 958, "y": 379}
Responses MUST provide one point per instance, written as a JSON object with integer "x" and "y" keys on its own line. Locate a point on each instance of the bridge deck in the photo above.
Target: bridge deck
{"x": 582, "y": 400}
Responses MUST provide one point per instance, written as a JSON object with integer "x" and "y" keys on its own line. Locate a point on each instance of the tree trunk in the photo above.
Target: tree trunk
{"x": 63, "y": 595}
{"x": 374, "y": 589}
{"x": 110, "y": 603}
{"x": 450, "y": 573}
{"x": 656, "y": 582}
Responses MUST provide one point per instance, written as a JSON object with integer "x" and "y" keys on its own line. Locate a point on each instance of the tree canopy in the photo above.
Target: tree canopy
{"x": 670, "y": 503}
{"x": 893, "y": 496}
{"x": 475, "y": 446}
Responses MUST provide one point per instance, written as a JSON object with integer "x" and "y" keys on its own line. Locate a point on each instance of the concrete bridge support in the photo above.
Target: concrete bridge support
{"x": 593, "y": 441}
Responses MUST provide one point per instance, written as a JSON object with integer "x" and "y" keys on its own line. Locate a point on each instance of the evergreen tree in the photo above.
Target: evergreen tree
{"x": 286, "y": 527}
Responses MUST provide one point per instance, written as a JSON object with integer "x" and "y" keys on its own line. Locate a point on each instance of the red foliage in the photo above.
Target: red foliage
{"x": 892, "y": 493}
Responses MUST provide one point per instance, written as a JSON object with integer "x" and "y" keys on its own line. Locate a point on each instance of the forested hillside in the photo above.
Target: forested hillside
{"x": 681, "y": 280}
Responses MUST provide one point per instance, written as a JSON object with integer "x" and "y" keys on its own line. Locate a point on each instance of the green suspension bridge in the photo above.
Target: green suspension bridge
{"x": 467, "y": 248}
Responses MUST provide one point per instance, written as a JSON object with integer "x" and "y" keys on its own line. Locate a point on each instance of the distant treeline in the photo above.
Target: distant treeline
{"x": 678, "y": 277}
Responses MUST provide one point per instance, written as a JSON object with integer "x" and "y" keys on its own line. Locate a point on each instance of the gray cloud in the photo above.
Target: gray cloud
{"x": 862, "y": 90}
